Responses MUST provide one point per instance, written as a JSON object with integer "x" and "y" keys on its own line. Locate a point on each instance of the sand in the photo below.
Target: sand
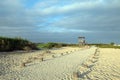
{"x": 104, "y": 65}
{"x": 62, "y": 64}
{"x": 58, "y": 67}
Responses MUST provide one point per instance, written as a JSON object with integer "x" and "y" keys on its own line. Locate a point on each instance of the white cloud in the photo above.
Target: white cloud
{"x": 53, "y": 9}
{"x": 61, "y": 17}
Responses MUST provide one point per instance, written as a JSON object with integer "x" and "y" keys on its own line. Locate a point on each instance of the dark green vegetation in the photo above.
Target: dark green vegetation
{"x": 54, "y": 45}
{"x": 11, "y": 44}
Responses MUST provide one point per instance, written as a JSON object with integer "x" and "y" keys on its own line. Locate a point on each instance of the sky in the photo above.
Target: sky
{"x": 61, "y": 20}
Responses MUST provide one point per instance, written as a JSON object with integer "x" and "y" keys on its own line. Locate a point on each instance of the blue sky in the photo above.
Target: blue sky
{"x": 61, "y": 20}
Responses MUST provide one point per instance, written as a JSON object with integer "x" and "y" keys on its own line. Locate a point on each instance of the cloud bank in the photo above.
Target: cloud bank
{"x": 61, "y": 20}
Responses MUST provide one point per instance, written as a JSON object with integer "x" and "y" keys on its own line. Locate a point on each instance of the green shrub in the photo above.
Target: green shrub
{"x": 54, "y": 45}
{"x": 10, "y": 44}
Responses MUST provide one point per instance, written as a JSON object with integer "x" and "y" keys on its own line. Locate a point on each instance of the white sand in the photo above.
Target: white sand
{"x": 58, "y": 68}
{"x": 105, "y": 65}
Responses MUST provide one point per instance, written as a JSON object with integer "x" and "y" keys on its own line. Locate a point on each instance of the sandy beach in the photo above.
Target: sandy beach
{"x": 67, "y": 63}
{"x": 59, "y": 39}
{"x": 56, "y": 64}
{"x": 104, "y": 65}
